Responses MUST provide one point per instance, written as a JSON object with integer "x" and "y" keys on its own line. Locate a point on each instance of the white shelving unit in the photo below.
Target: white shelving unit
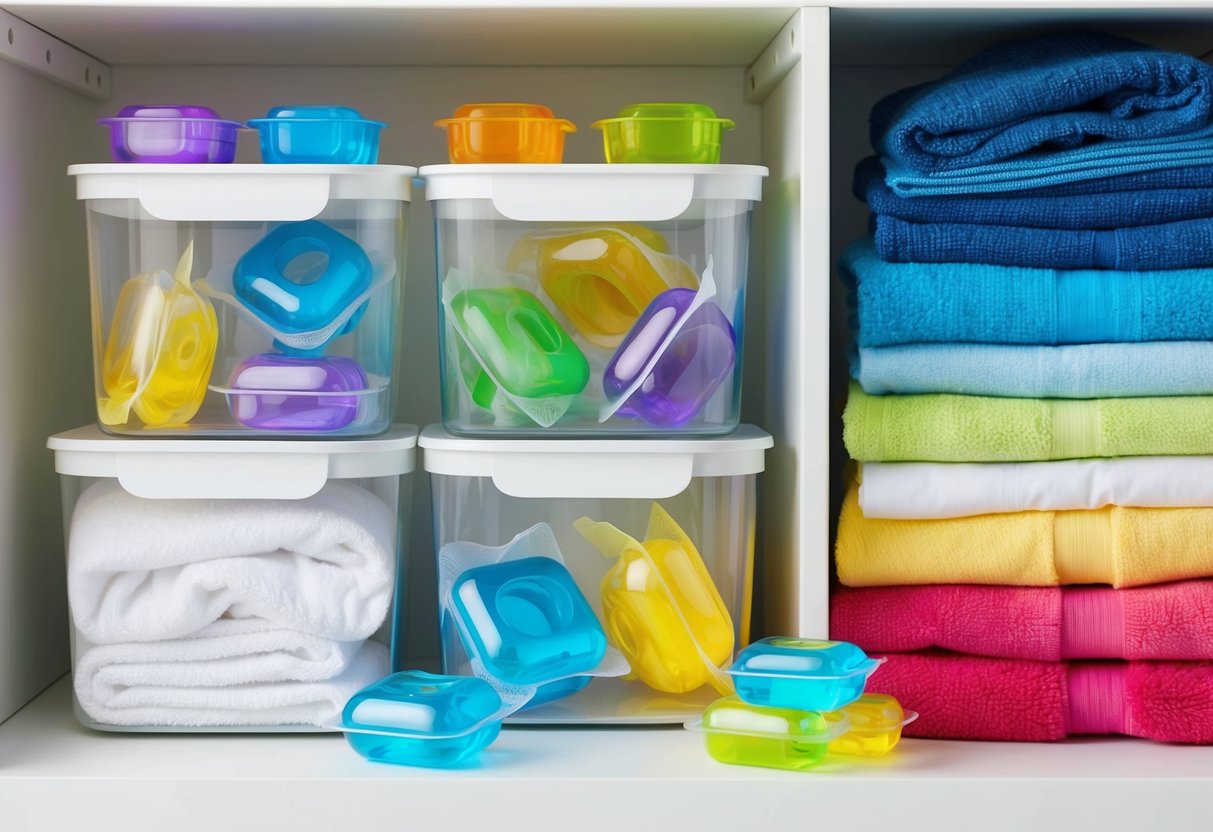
{"x": 799, "y": 82}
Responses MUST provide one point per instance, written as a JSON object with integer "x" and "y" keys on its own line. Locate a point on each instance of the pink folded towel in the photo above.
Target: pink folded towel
{"x": 975, "y": 698}
{"x": 1166, "y": 621}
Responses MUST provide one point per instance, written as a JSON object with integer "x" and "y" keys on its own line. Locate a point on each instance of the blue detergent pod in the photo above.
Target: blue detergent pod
{"x": 299, "y": 279}
{"x": 416, "y": 718}
{"x": 529, "y": 624}
{"x": 802, "y": 674}
{"x": 318, "y": 135}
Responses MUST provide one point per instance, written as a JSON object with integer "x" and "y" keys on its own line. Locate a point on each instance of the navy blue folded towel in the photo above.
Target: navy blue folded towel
{"x": 1116, "y": 202}
{"x": 1047, "y": 93}
{"x": 1174, "y": 245}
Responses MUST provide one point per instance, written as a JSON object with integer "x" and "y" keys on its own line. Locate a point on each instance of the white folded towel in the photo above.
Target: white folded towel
{"x": 146, "y": 570}
{"x": 930, "y": 490}
{"x": 205, "y": 681}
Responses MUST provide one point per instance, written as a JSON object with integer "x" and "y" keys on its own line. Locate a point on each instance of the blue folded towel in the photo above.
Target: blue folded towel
{"x": 1040, "y": 170}
{"x": 1079, "y": 371}
{"x": 911, "y": 303}
{"x": 1136, "y": 199}
{"x": 1054, "y": 92}
{"x": 1173, "y": 245}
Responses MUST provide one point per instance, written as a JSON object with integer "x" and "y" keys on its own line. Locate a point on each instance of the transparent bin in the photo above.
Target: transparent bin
{"x": 245, "y": 299}
{"x": 592, "y": 300}
{"x": 657, "y": 534}
{"x": 220, "y": 585}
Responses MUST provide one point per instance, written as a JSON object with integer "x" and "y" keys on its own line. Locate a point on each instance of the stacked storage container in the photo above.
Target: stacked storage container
{"x": 220, "y": 575}
{"x": 592, "y": 324}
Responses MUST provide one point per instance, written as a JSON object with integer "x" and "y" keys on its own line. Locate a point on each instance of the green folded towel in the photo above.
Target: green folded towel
{"x": 951, "y": 428}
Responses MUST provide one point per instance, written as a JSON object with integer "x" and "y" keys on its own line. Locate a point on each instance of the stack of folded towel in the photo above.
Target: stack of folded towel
{"x": 194, "y": 613}
{"x": 1028, "y": 527}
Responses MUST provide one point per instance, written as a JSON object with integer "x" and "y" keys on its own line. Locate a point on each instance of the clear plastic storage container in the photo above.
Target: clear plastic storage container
{"x": 592, "y": 299}
{"x": 219, "y": 585}
{"x": 657, "y": 534}
{"x": 251, "y": 299}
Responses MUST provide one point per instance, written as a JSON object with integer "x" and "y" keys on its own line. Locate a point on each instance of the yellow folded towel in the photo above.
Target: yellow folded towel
{"x": 1114, "y": 545}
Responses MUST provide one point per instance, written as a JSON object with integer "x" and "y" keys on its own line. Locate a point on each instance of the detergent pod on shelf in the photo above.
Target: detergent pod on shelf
{"x": 180, "y": 134}
{"x": 874, "y": 723}
{"x": 661, "y": 608}
{"x": 527, "y": 628}
{"x": 676, "y": 132}
{"x": 303, "y": 284}
{"x": 414, "y": 718}
{"x": 318, "y": 135}
{"x": 601, "y": 277}
{"x": 293, "y": 393}
{"x": 675, "y": 357}
{"x": 808, "y": 674}
{"x": 160, "y": 349}
{"x": 740, "y": 733}
{"x": 495, "y": 133}
{"x": 508, "y": 342}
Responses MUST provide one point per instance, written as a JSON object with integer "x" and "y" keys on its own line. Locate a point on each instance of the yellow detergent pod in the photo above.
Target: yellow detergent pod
{"x": 160, "y": 350}
{"x": 661, "y": 608}
{"x": 603, "y": 278}
{"x": 875, "y": 721}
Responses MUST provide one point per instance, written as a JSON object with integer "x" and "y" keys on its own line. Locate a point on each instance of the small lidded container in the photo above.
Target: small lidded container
{"x": 318, "y": 135}
{"x": 181, "y": 134}
{"x": 875, "y": 721}
{"x": 677, "y": 132}
{"x": 743, "y": 734}
{"x": 505, "y": 133}
{"x": 416, "y": 718}
{"x": 806, "y": 674}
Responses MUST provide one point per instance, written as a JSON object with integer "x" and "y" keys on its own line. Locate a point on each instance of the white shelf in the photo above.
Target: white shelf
{"x": 412, "y": 33}
{"x": 57, "y": 775}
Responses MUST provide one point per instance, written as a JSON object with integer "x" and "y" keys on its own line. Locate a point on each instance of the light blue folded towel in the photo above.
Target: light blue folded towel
{"x": 940, "y": 303}
{"x": 1080, "y": 371}
{"x": 1095, "y": 161}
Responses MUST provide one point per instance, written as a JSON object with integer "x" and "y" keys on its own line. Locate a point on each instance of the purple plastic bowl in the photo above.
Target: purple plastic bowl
{"x": 696, "y": 362}
{"x": 171, "y": 134}
{"x": 296, "y": 394}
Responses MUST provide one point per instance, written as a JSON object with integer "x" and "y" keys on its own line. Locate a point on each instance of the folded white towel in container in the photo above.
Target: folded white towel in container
{"x": 148, "y": 570}
{"x": 205, "y": 682}
{"x": 934, "y": 490}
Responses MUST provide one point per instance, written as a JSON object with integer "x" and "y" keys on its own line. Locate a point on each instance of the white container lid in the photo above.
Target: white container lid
{"x": 571, "y": 193}
{"x": 281, "y": 469}
{"x": 241, "y": 193}
{"x": 645, "y": 469}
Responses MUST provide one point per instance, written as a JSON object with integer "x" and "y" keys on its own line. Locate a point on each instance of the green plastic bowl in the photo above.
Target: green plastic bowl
{"x": 676, "y": 132}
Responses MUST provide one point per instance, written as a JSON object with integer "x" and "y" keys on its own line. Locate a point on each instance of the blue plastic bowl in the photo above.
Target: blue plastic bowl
{"x": 318, "y": 136}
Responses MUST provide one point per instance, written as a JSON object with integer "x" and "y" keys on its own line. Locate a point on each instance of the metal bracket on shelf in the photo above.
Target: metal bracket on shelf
{"x": 775, "y": 62}
{"x": 37, "y": 51}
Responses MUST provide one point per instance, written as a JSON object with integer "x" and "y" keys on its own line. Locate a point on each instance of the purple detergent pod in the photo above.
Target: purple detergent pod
{"x": 290, "y": 393}
{"x": 182, "y": 134}
{"x": 677, "y": 378}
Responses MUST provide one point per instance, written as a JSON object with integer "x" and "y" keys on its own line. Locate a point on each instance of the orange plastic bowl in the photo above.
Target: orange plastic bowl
{"x": 505, "y": 133}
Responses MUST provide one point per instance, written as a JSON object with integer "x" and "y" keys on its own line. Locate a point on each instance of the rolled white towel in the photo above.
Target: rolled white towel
{"x": 298, "y": 680}
{"x": 147, "y": 570}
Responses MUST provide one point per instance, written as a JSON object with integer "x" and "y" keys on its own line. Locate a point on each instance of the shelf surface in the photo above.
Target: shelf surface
{"x": 55, "y": 774}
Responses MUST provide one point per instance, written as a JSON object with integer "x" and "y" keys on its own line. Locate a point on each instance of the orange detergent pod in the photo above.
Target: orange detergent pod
{"x": 602, "y": 278}
{"x": 505, "y": 133}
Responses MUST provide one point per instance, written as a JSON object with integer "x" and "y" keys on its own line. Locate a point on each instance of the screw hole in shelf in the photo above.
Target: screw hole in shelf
{"x": 10, "y": 37}
{"x": 753, "y": 83}
{"x": 98, "y": 80}
{"x": 792, "y": 36}
{"x": 88, "y": 72}
{"x": 48, "y": 56}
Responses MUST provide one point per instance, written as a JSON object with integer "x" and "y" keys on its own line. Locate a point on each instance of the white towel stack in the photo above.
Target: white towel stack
{"x": 228, "y": 613}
